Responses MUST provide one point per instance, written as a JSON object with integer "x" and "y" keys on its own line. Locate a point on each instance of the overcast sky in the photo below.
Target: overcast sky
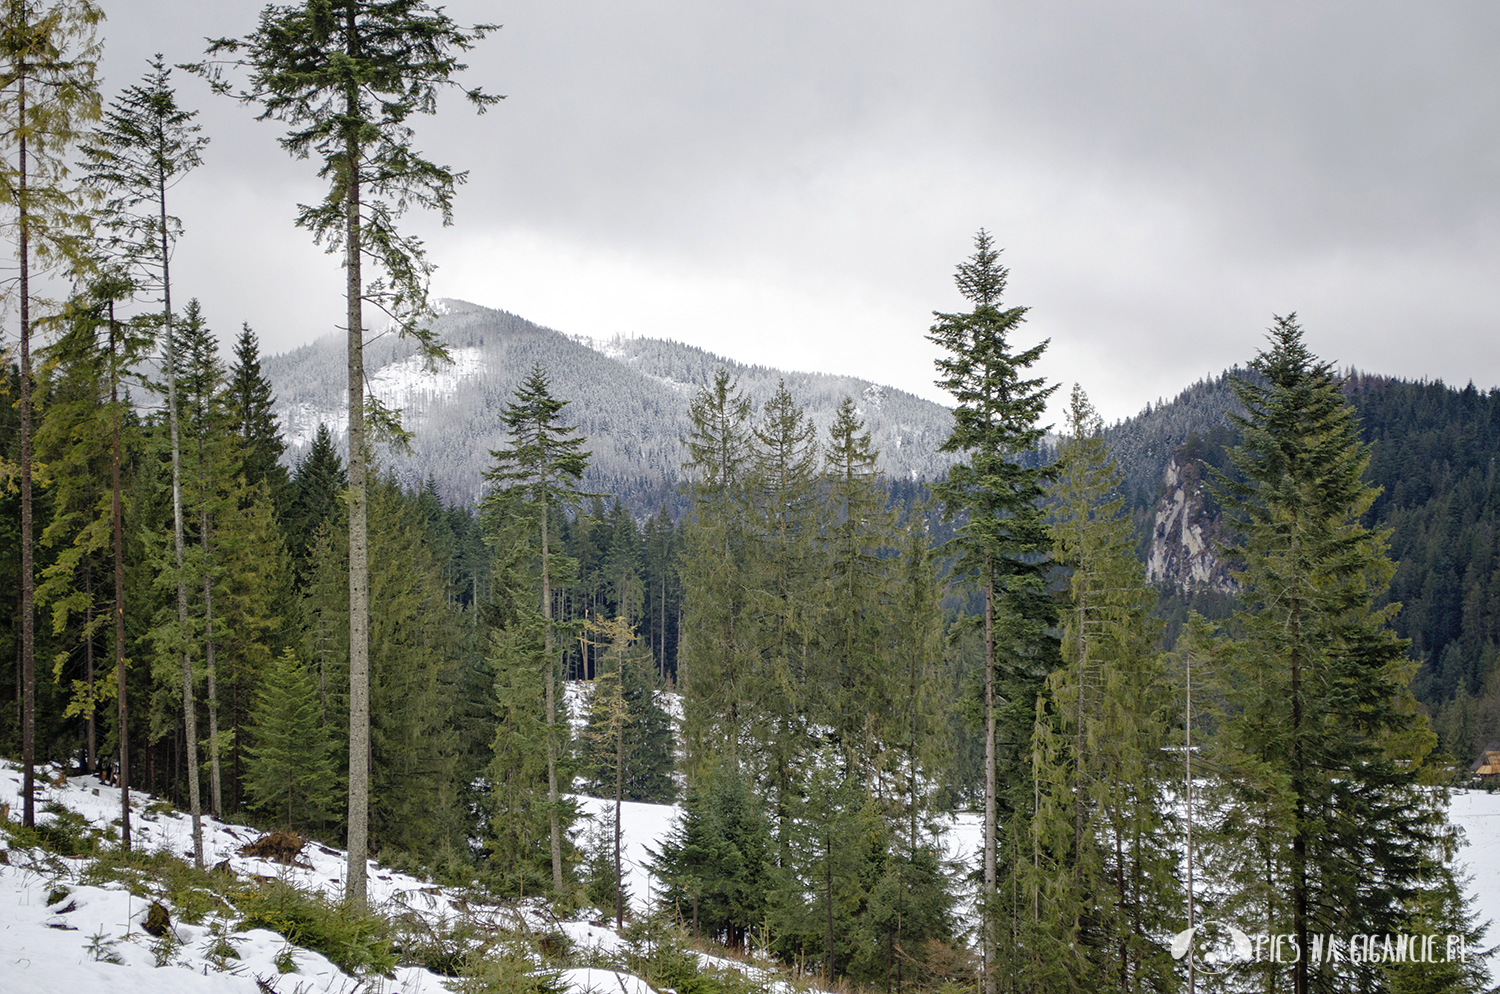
{"x": 793, "y": 182}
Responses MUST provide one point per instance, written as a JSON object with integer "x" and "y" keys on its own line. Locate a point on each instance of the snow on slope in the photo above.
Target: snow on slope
{"x": 43, "y": 949}
{"x": 404, "y": 384}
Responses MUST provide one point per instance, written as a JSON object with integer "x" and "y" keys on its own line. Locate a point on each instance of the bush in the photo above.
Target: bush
{"x": 67, "y": 833}
{"x": 506, "y": 970}
{"x": 192, "y": 892}
{"x": 355, "y": 940}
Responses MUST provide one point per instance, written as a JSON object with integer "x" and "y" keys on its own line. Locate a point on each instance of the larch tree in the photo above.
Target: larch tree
{"x": 49, "y": 58}
{"x": 347, "y": 76}
{"x": 1103, "y": 861}
{"x": 77, "y": 440}
{"x": 100, "y": 349}
{"x": 541, "y": 470}
{"x": 609, "y": 716}
{"x": 1002, "y": 542}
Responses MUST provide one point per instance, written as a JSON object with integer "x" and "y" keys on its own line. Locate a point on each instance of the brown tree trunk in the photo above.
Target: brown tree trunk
{"x": 28, "y": 582}
{"x": 215, "y": 794}
{"x": 554, "y": 825}
{"x": 989, "y": 776}
{"x": 119, "y": 540}
{"x": 359, "y": 568}
{"x": 189, "y": 703}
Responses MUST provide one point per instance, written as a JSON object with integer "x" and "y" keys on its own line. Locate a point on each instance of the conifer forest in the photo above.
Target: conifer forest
{"x": 818, "y": 664}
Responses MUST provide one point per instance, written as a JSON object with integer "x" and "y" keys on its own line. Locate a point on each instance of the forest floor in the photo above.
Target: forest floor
{"x": 64, "y": 928}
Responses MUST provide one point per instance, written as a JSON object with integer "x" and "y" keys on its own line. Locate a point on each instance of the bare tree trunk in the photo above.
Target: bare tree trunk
{"x": 359, "y": 567}
{"x": 555, "y": 825}
{"x": 119, "y": 539}
{"x": 88, "y": 655}
{"x": 215, "y": 795}
{"x": 28, "y": 582}
{"x": 189, "y": 704}
{"x": 989, "y": 776}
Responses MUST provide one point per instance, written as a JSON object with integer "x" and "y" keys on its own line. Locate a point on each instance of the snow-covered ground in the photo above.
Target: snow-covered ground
{"x": 92, "y": 938}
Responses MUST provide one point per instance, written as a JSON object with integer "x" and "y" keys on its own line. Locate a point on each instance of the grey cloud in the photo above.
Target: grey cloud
{"x": 1166, "y": 175}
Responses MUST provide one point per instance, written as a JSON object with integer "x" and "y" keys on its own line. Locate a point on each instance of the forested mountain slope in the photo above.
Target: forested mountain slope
{"x": 629, "y": 397}
{"x": 1433, "y": 451}
{"x": 1433, "y": 455}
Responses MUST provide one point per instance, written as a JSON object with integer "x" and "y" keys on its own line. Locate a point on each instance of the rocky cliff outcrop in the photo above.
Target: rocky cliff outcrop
{"x": 1185, "y": 536}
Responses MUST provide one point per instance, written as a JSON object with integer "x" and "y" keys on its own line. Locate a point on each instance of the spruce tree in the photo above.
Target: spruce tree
{"x": 517, "y": 804}
{"x": 859, "y": 692}
{"x": 1002, "y": 542}
{"x": 290, "y": 768}
{"x": 214, "y": 487}
{"x": 346, "y": 76}
{"x": 252, "y": 417}
{"x": 256, "y": 605}
{"x": 312, "y": 500}
{"x": 785, "y": 569}
{"x": 538, "y": 477}
{"x": 715, "y": 864}
{"x": 713, "y": 667}
{"x": 1323, "y": 744}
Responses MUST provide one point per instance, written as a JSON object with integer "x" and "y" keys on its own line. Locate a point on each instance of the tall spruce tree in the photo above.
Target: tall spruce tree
{"x": 538, "y": 476}
{"x": 346, "y": 76}
{"x": 858, "y": 688}
{"x": 712, "y": 660}
{"x": 785, "y": 568}
{"x": 1323, "y": 744}
{"x": 143, "y": 146}
{"x": 216, "y": 487}
{"x": 517, "y": 807}
{"x": 1002, "y": 542}
{"x": 49, "y": 59}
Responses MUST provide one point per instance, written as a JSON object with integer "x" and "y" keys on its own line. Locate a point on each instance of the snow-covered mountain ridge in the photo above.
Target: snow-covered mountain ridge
{"x": 628, "y": 396}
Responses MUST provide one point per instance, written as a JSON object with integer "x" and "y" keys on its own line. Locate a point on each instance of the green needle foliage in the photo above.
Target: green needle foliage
{"x": 290, "y": 769}
{"x": 1103, "y": 858}
{"x": 346, "y": 76}
{"x": 1323, "y": 744}
{"x": 49, "y": 58}
{"x": 712, "y": 663}
{"x": 1003, "y": 542}
{"x": 536, "y": 478}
